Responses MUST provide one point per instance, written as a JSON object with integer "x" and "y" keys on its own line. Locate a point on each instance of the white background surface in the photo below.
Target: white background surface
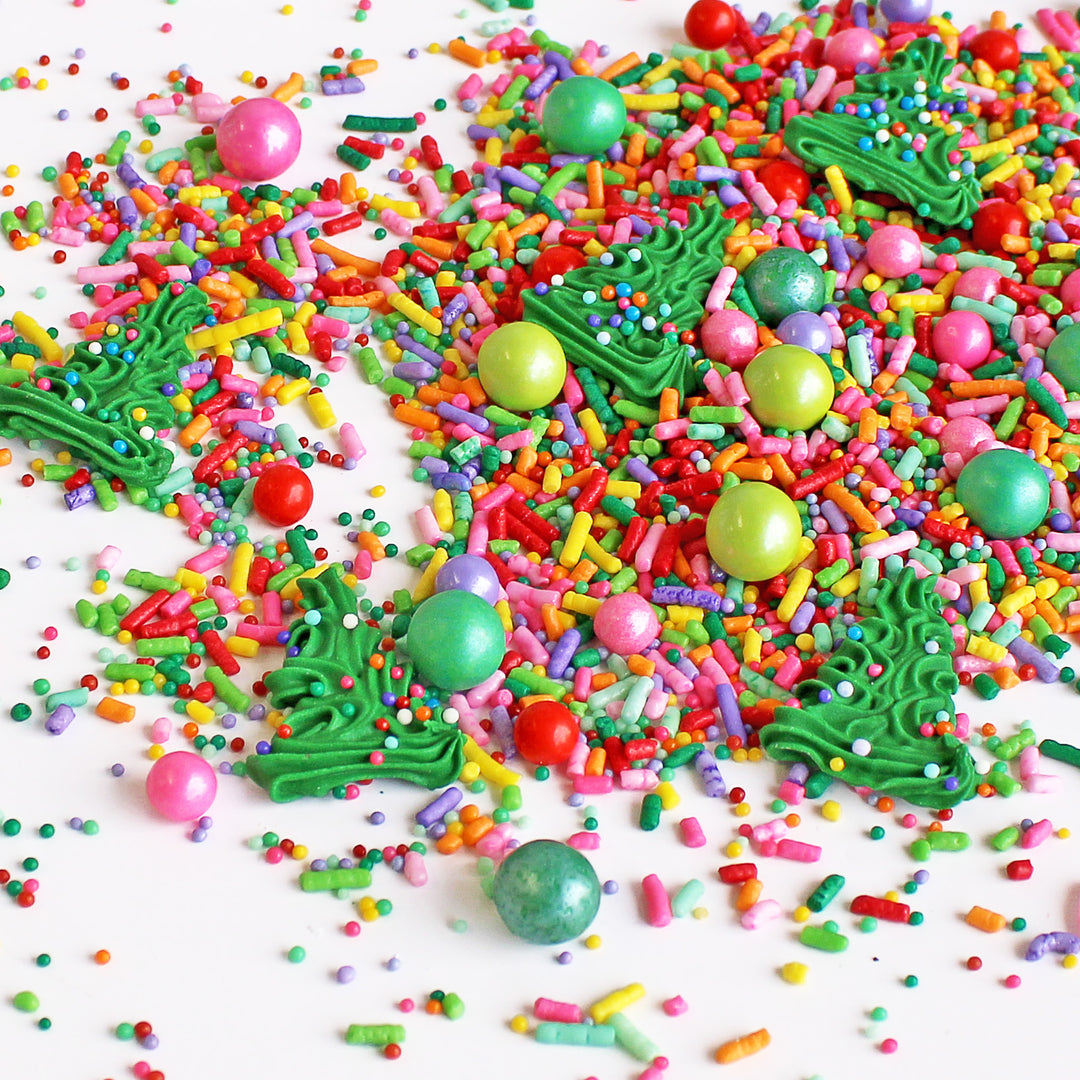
{"x": 199, "y": 933}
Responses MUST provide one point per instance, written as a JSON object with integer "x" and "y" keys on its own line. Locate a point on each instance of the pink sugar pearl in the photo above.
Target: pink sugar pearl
{"x": 855, "y": 45}
{"x": 894, "y": 251}
{"x": 1070, "y": 291}
{"x": 181, "y": 786}
{"x": 980, "y": 283}
{"x": 258, "y": 139}
{"x": 963, "y": 435}
{"x": 626, "y": 623}
{"x": 730, "y": 337}
{"x": 962, "y": 337}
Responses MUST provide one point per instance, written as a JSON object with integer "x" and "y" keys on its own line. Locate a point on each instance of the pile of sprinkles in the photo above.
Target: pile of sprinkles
{"x": 743, "y": 380}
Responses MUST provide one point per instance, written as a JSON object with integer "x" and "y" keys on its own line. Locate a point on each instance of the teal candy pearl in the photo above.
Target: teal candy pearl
{"x": 456, "y": 640}
{"x": 584, "y": 115}
{"x": 1004, "y": 492}
{"x": 546, "y": 892}
{"x": 782, "y": 281}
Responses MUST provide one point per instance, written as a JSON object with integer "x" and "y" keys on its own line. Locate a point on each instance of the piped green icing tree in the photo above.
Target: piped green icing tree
{"x": 670, "y": 265}
{"x": 936, "y": 187}
{"x": 333, "y": 696}
{"x": 89, "y": 403}
{"x": 885, "y": 681}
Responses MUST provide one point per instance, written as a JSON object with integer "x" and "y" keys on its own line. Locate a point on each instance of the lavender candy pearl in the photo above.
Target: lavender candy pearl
{"x": 807, "y": 329}
{"x": 911, "y": 11}
{"x": 469, "y": 573}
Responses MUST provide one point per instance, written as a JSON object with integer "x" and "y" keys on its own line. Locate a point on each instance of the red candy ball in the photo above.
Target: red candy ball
{"x": 998, "y": 48}
{"x": 556, "y": 259}
{"x": 709, "y": 24}
{"x": 785, "y": 180}
{"x": 282, "y": 495}
{"x": 993, "y": 221}
{"x": 545, "y": 732}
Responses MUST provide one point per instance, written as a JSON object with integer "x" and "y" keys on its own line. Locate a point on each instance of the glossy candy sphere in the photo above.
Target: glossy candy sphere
{"x": 993, "y": 221}
{"x": 1070, "y": 292}
{"x": 521, "y": 366}
{"x": 1063, "y": 357}
{"x": 850, "y": 47}
{"x": 626, "y": 623}
{"x": 785, "y": 180}
{"x": 998, "y": 48}
{"x": 1004, "y": 492}
{"x": 258, "y": 139}
{"x": 963, "y": 435}
{"x": 282, "y": 494}
{"x": 546, "y": 892}
{"x": 807, "y": 330}
{"x": 979, "y": 283}
{"x": 556, "y": 259}
{"x": 894, "y": 251}
{"x": 181, "y": 786}
{"x": 729, "y": 337}
{"x": 456, "y": 639}
{"x": 545, "y": 732}
{"x": 753, "y": 531}
{"x": 470, "y": 573}
{"x": 709, "y": 24}
{"x": 789, "y": 386}
{"x": 911, "y": 11}
{"x": 962, "y": 337}
{"x": 783, "y": 280}
{"x": 583, "y": 115}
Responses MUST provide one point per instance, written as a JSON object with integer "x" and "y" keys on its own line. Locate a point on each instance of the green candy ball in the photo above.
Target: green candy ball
{"x": 789, "y": 387}
{"x": 521, "y": 366}
{"x": 1004, "y": 492}
{"x": 1063, "y": 358}
{"x": 781, "y": 281}
{"x": 456, "y": 640}
{"x": 753, "y": 531}
{"x": 546, "y": 892}
{"x": 583, "y": 115}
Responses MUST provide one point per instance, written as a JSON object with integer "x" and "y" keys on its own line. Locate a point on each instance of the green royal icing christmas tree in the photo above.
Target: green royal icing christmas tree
{"x": 671, "y": 266}
{"x": 912, "y": 93}
{"x": 90, "y": 401}
{"x": 336, "y": 737}
{"x": 890, "y": 676}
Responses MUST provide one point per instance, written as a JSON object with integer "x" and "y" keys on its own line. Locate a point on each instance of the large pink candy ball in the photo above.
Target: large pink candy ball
{"x": 730, "y": 337}
{"x": 963, "y": 435}
{"x": 979, "y": 283}
{"x": 856, "y": 45}
{"x": 894, "y": 251}
{"x": 626, "y": 623}
{"x": 1070, "y": 291}
{"x": 962, "y": 337}
{"x": 258, "y": 139}
{"x": 181, "y": 786}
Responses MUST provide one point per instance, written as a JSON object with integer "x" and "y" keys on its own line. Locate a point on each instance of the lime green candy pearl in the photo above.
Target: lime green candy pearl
{"x": 789, "y": 386}
{"x": 584, "y": 115}
{"x": 521, "y": 366}
{"x": 753, "y": 531}
{"x": 1063, "y": 358}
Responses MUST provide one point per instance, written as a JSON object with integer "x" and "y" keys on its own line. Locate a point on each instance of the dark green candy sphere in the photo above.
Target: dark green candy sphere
{"x": 1063, "y": 358}
{"x": 781, "y": 281}
{"x": 1004, "y": 492}
{"x": 546, "y": 892}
